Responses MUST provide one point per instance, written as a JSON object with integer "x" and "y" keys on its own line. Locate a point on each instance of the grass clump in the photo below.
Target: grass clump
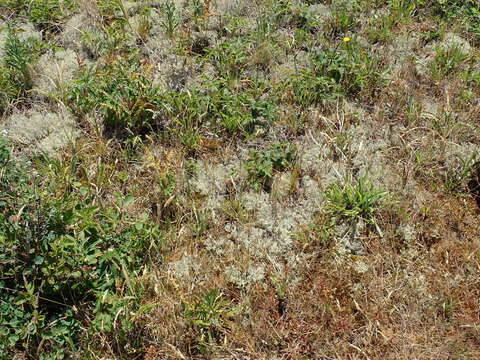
{"x": 67, "y": 262}
{"x": 456, "y": 178}
{"x": 309, "y": 88}
{"x": 447, "y": 62}
{"x": 122, "y": 93}
{"x": 46, "y": 14}
{"x": 185, "y": 115}
{"x": 463, "y": 13}
{"x": 18, "y": 55}
{"x": 380, "y": 30}
{"x": 343, "y": 19}
{"x": 230, "y": 57}
{"x": 358, "y": 200}
{"x": 261, "y": 166}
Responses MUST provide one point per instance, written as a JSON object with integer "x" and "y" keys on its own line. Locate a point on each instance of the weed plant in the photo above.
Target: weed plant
{"x": 120, "y": 92}
{"x": 170, "y": 19}
{"x": 261, "y": 166}
{"x": 208, "y": 316}
{"x": 457, "y": 178}
{"x": 447, "y": 62}
{"x": 335, "y": 73}
{"x": 44, "y": 14}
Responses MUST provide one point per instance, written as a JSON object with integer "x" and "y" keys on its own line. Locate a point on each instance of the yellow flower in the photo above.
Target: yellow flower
{"x": 346, "y": 39}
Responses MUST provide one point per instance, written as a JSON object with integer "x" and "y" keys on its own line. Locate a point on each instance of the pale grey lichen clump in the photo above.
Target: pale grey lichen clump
{"x": 264, "y": 239}
{"x": 407, "y": 232}
{"x": 290, "y": 64}
{"x": 243, "y": 278}
{"x": 222, "y": 7}
{"x": 347, "y": 240}
{"x": 39, "y": 129}
{"x": 451, "y": 40}
{"x": 184, "y": 268}
{"x": 401, "y": 50}
{"x": 360, "y": 266}
{"x": 54, "y": 71}
{"x": 210, "y": 179}
{"x": 73, "y": 30}
{"x": 315, "y": 159}
{"x": 455, "y": 153}
{"x": 370, "y": 160}
{"x": 42, "y": 128}
{"x": 267, "y": 238}
{"x": 320, "y": 11}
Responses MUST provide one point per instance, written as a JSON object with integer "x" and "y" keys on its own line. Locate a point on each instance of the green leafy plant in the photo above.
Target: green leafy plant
{"x": 343, "y": 19}
{"x": 261, "y": 166}
{"x": 447, "y": 8}
{"x": 44, "y": 14}
{"x": 18, "y": 55}
{"x": 16, "y": 68}
{"x": 230, "y": 57}
{"x": 108, "y": 9}
{"x": 443, "y": 125}
{"x": 300, "y": 17}
{"x": 335, "y": 73}
{"x": 120, "y": 91}
{"x": 235, "y": 210}
{"x": 208, "y": 316}
{"x": 309, "y": 88}
{"x": 465, "y": 13}
{"x": 197, "y": 8}
{"x": 184, "y": 115}
{"x": 110, "y": 41}
{"x": 122, "y": 94}
{"x": 238, "y": 110}
{"x": 402, "y": 10}
{"x": 320, "y": 232}
{"x": 380, "y": 28}
{"x": 9, "y": 91}
{"x": 354, "y": 200}
{"x": 170, "y": 19}
{"x": 65, "y": 261}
